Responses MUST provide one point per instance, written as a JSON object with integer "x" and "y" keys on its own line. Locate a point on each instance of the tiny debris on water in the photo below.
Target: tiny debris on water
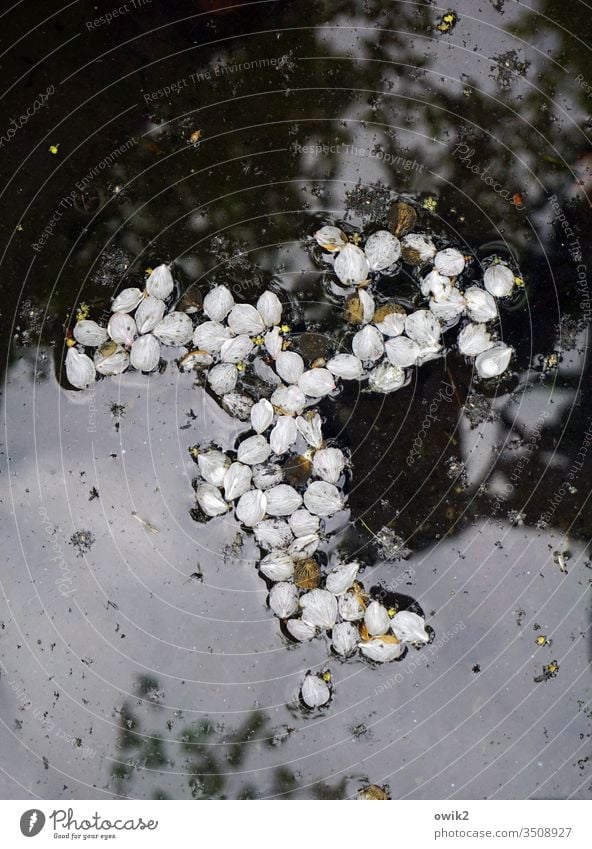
{"x": 391, "y": 546}
{"x": 149, "y": 527}
{"x": 549, "y": 671}
{"x": 448, "y": 22}
{"x": 82, "y": 542}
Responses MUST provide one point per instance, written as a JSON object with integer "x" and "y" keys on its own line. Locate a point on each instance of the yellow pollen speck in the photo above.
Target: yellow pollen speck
{"x": 258, "y": 340}
{"x": 327, "y": 677}
{"x": 83, "y": 311}
{"x": 240, "y": 366}
{"x": 431, "y": 204}
{"x": 53, "y": 148}
{"x": 70, "y": 343}
{"x": 391, "y": 611}
{"x": 285, "y": 328}
{"x": 541, "y": 640}
{"x": 518, "y": 281}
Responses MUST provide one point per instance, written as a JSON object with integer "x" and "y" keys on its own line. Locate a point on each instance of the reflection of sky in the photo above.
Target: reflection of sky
{"x": 436, "y": 730}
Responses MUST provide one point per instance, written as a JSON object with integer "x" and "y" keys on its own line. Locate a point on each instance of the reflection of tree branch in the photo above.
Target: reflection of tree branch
{"x": 210, "y": 756}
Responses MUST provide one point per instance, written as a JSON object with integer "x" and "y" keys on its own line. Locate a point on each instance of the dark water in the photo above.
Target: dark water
{"x": 145, "y": 664}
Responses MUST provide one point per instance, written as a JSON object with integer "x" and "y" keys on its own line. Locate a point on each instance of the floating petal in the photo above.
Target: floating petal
{"x": 89, "y": 333}
{"x": 145, "y": 353}
{"x": 218, "y": 303}
{"x": 382, "y": 250}
{"x": 251, "y": 507}
{"x": 80, "y": 369}
{"x": 160, "y": 284}
{"x": 351, "y": 266}
{"x": 323, "y": 499}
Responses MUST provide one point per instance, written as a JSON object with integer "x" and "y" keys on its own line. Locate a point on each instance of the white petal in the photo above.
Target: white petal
{"x": 328, "y": 464}
{"x": 382, "y": 250}
{"x": 402, "y": 351}
{"x": 264, "y": 477}
{"x": 213, "y": 465}
{"x": 237, "y": 480}
{"x": 244, "y": 318}
{"x": 304, "y": 547}
{"x": 495, "y": 361}
{"x": 449, "y": 262}
{"x": 194, "y": 360}
{"x": 218, "y": 303}
{"x": 273, "y": 534}
{"x": 238, "y": 406}
{"x": 429, "y": 352}
{"x": 269, "y": 308}
{"x": 160, "y": 284}
{"x": 149, "y": 313}
{"x": 317, "y": 382}
{"x": 283, "y": 435}
{"x": 175, "y": 328}
{"x": 435, "y": 285}
{"x": 499, "y": 280}
{"x": 282, "y": 500}
{"x": 368, "y": 344}
{"x": 344, "y": 639}
{"x": 210, "y": 336}
{"x": 236, "y": 350}
{"x": 89, "y": 333}
{"x": 80, "y": 369}
{"x": 309, "y": 426}
{"x": 386, "y": 378}
{"x": 122, "y": 328}
{"x": 422, "y": 246}
{"x": 115, "y": 363}
{"x": 474, "y": 339}
{"x": 300, "y": 630}
{"x": 319, "y": 608}
{"x": 253, "y": 450}
{"x": 222, "y": 378}
{"x": 277, "y": 566}
{"x": 251, "y": 507}
{"x": 145, "y": 353}
{"x": 290, "y": 366}
{"x": 423, "y": 328}
{"x": 393, "y": 324}
{"x": 210, "y": 500}
{"x": 450, "y": 307}
{"x": 380, "y": 651}
{"x": 409, "y": 627}
{"x": 340, "y": 579}
{"x": 304, "y": 523}
{"x": 480, "y": 305}
{"x": 350, "y": 607}
{"x": 273, "y": 342}
{"x": 290, "y": 399}
{"x": 376, "y": 619}
{"x": 283, "y": 600}
{"x": 323, "y": 499}
{"x": 368, "y": 305}
{"x": 331, "y": 238}
{"x": 314, "y": 692}
{"x": 261, "y": 415}
{"x": 351, "y": 265}
{"x": 127, "y": 300}
{"x": 346, "y": 366}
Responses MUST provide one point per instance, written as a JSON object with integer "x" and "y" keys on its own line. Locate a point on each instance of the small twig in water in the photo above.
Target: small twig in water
{"x": 145, "y": 524}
